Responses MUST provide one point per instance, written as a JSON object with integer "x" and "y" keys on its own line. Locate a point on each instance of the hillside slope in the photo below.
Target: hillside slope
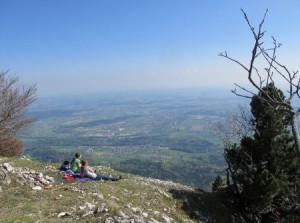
{"x": 31, "y": 191}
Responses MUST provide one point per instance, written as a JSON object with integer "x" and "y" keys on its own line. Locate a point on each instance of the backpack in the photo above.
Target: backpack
{"x": 65, "y": 165}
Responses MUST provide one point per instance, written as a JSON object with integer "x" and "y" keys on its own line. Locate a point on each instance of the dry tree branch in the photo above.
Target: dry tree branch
{"x": 274, "y": 69}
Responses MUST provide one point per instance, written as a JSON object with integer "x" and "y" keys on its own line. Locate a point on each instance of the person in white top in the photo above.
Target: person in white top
{"x": 87, "y": 171}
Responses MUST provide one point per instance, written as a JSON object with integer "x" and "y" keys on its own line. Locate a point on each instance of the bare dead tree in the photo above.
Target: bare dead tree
{"x": 273, "y": 70}
{"x": 14, "y": 101}
{"x": 236, "y": 125}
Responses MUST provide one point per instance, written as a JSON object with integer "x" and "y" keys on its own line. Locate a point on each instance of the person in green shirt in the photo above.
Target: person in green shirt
{"x": 76, "y": 163}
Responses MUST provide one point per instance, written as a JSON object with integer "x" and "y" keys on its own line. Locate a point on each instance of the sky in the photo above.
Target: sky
{"x": 70, "y": 47}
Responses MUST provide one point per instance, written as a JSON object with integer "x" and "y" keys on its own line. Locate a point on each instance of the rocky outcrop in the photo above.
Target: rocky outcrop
{"x": 135, "y": 199}
{"x": 24, "y": 176}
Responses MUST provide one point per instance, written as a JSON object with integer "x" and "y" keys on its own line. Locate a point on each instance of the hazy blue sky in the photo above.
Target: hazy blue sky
{"x": 70, "y": 46}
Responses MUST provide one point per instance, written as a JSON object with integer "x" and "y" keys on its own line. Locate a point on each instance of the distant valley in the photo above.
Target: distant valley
{"x": 161, "y": 134}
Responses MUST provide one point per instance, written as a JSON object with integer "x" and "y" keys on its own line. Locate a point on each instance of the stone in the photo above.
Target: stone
{"x": 31, "y": 181}
{"x": 156, "y": 213}
{"x": 51, "y": 179}
{"x": 87, "y": 213}
{"x": 89, "y": 205}
{"x": 136, "y": 210}
{"x": 37, "y": 188}
{"x": 8, "y": 167}
{"x": 153, "y": 221}
{"x": 101, "y": 208}
{"x": 98, "y": 195}
{"x": 122, "y": 214}
{"x": 40, "y": 175}
{"x": 166, "y": 218}
{"x": 44, "y": 182}
{"x": 164, "y": 193}
{"x": 4, "y": 177}
{"x": 115, "y": 198}
{"x": 64, "y": 214}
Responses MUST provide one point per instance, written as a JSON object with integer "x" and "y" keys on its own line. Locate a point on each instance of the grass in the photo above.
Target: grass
{"x": 133, "y": 196}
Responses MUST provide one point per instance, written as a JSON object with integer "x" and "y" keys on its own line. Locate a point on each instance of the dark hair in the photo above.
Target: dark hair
{"x": 77, "y": 155}
{"x": 83, "y": 164}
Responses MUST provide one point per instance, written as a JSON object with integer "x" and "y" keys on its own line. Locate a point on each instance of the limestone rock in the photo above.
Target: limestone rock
{"x": 116, "y": 219}
{"x": 4, "y": 177}
{"x": 64, "y": 214}
{"x": 101, "y": 208}
{"x": 37, "y": 188}
{"x": 51, "y": 179}
{"x": 167, "y": 218}
{"x": 8, "y": 167}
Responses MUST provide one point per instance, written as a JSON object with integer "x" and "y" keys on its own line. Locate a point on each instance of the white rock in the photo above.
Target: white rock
{"x": 101, "y": 208}
{"x": 51, "y": 179}
{"x": 40, "y": 175}
{"x": 37, "y": 188}
{"x": 31, "y": 180}
{"x": 145, "y": 214}
{"x": 43, "y": 181}
{"x": 8, "y": 167}
{"x": 115, "y": 198}
{"x": 122, "y": 214}
{"x": 98, "y": 195}
{"x": 87, "y": 213}
{"x": 156, "y": 213}
{"x": 136, "y": 210}
{"x": 166, "y": 218}
{"x": 164, "y": 193}
{"x": 64, "y": 214}
{"x": 82, "y": 208}
{"x": 154, "y": 221}
{"x": 89, "y": 205}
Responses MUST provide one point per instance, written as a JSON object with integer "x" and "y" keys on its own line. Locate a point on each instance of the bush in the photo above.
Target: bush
{"x": 11, "y": 147}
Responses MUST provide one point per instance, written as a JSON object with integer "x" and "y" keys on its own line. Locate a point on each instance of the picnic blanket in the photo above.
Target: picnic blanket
{"x": 68, "y": 176}
{"x": 83, "y": 179}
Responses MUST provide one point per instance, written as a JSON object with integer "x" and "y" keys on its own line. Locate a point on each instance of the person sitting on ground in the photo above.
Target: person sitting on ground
{"x": 76, "y": 163}
{"x": 87, "y": 171}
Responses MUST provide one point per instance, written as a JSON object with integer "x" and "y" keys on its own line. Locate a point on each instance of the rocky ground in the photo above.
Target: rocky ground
{"x": 35, "y": 192}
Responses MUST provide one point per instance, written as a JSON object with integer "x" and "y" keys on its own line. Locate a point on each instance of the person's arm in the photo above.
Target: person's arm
{"x": 91, "y": 169}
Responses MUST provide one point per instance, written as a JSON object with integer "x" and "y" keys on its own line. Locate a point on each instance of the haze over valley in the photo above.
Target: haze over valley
{"x": 161, "y": 134}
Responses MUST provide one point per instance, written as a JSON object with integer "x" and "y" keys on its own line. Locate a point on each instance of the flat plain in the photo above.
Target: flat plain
{"x": 162, "y": 134}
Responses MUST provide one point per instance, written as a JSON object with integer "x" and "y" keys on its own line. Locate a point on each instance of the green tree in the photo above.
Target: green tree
{"x": 264, "y": 167}
{"x": 217, "y": 184}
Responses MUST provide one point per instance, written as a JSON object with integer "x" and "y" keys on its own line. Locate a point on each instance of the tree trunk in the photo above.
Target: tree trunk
{"x": 295, "y": 130}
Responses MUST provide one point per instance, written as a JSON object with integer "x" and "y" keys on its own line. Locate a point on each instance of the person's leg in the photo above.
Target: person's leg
{"x": 102, "y": 177}
{"x": 107, "y": 177}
